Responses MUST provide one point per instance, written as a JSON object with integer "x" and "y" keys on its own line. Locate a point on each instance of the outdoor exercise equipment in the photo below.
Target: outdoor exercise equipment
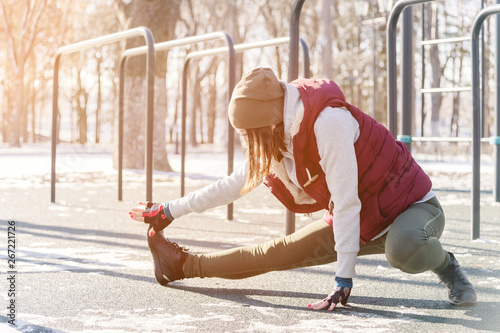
{"x": 231, "y": 81}
{"x": 158, "y": 47}
{"x": 99, "y": 41}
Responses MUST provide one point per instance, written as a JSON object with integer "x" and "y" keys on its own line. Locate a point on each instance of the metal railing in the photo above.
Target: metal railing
{"x": 231, "y": 83}
{"x": 99, "y": 41}
{"x": 392, "y": 97}
{"x": 138, "y": 51}
{"x": 476, "y": 118}
{"x": 476, "y": 108}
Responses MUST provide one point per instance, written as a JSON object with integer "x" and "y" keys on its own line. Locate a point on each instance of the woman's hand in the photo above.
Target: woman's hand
{"x": 151, "y": 213}
{"x": 338, "y": 295}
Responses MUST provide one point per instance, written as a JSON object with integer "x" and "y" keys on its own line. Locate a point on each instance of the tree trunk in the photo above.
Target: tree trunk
{"x": 152, "y": 14}
{"x": 16, "y": 126}
{"x": 326, "y": 48}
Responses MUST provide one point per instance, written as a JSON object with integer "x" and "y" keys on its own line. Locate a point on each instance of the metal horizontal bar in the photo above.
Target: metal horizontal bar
{"x": 444, "y": 139}
{"x": 111, "y": 38}
{"x": 239, "y": 47}
{"x": 441, "y": 90}
{"x": 445, "y": 40}
{"x": 164, "y": 46}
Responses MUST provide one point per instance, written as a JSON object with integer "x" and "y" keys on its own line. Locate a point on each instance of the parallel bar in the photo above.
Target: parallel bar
{"x": 112, "y": 38}
{"x": 231, "y": 83}
{"x": 422, "y": 50}
{"x": 167, "y": 45}
{"x": 307, "y": 61}
{"x": 293, "y": 73}
{"x": 444, "y": 139}
{"x": 407, "y": 75}
{"x": 138, "y": 51}
{"x": 444, "y": 90}
{"x": 213, "y": 52}
{"x": 445, "y": 40}
{"x": 240, "y": 47}
{"x": 392, "y": 97}
{"x": 476, "y": 117}
{"x": 293, "y": 51}
{"x": 496, "y": 189}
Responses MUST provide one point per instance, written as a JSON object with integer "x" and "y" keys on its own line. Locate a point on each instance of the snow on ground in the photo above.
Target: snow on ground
{"x": 31, "y": 164}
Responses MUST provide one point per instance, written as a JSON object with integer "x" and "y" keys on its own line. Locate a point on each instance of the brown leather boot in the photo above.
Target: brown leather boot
{"x": 168, "y": 258}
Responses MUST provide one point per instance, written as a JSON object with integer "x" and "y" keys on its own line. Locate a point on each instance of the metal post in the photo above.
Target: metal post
{"x": 121, "y": 92}
{"x": 230, "y": 131}
{"x": 55, "y": 131}
{"x": 422, "y": 96}
{"x": 476, "y": 116}
{"x": 138, "y": 51}
{"x": 293, "y": 51}
{"x": 392, "y": 97}
{"x": 293, "y": 73}
{"x": 483, "y": 80}
{"x": 150, "y": 67}
{"x": 496, "y": 189}
{"x": 374, "y": 69}
{"x": 307, "y": 61}
{"x": 407, "y": 76}
{"x": 99, "y": 41}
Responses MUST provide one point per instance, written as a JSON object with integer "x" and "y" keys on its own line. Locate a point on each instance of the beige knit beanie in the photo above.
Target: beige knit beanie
{"x": 257, "y": 100}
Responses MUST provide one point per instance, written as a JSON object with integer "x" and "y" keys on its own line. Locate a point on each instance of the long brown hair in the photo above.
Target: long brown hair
{"x": 263, "y": 144}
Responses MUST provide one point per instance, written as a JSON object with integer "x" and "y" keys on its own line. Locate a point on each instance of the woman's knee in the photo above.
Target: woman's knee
{"x": 402, "y": 248}
{"x": 413, "y": 235}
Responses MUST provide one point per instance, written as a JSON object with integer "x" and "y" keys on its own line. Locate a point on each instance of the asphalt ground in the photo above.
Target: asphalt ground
{"x": 83, "y": 266}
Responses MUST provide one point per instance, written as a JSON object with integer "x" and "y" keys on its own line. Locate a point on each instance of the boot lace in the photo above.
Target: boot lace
{"x": 177, "y": 247}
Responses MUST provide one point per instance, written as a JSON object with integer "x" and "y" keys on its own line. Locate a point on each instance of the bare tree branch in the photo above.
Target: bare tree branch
{"x": 25, "y": 20}
{"x": 34, "y": 28}
{"x": 12, "y": 53}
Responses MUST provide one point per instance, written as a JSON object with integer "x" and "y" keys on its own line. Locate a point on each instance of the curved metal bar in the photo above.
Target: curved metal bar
{"x": 230, "y": 135}
{"x": 476, "y": 116}
{"x": 111, "y": 38}
{"x": 138, "y": 51}
{"x": 293, "y": 73}
{"x": 293, "y": 59}
{"x": 392, "y": 97}
{"x": 213, "y": 52}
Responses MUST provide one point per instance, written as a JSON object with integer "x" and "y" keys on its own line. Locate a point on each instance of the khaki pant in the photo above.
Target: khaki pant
{"x": 412, "y": 245}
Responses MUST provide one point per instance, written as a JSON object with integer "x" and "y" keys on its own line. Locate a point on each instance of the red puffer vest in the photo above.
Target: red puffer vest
{"x": 389, "y": 179}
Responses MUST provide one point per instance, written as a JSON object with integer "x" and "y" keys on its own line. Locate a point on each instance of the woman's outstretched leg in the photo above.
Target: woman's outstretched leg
{"x": 309, "y": 246}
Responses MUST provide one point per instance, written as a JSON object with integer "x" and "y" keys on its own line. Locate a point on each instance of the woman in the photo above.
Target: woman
{"x": 316, "y": 152}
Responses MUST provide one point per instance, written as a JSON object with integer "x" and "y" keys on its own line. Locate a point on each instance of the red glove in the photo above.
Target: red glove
{"x": 152, "y": 214}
